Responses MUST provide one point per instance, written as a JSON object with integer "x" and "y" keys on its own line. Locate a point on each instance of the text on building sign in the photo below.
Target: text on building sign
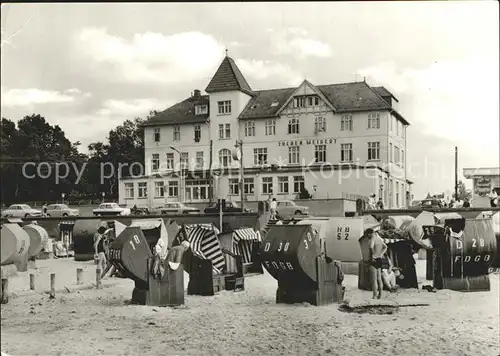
{"x": 323, "y": 141}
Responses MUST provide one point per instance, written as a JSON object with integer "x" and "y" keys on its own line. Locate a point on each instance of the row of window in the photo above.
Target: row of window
{"x": 396, "y": 126}
{"x": 396, "y": 155}
{"x": 198, "y": 189}
{"x": 284, "y": 187}
{"x": 261, "y": 156}
{"x": 177, "y": 133}
{"x": 293, "y": 127}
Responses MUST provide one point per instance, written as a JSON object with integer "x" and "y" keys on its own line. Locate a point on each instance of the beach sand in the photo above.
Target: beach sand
{"x": 100, "y": 322}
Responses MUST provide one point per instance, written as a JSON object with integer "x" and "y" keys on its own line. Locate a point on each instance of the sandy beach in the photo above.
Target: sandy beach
{"x": 86, "y": 321}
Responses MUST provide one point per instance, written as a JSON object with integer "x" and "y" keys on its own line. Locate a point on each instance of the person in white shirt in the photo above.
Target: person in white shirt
{"x": 372, "y": 202}
{"x": 273, "y": 206}
{"x": 458, "y": 204}
{"x": 493, "y": 198}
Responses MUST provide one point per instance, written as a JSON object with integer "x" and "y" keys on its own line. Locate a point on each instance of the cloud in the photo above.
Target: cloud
{"x": 131, "y": 108}
{"x": 295, "y": 41}
{"x": 33, "y": 96}
{"x": 89, "y": 128}
{"x": 260, "y": 70}
{"x": 150, "y": 57}
{"x": 454, "y": 99}
{"x": 448, "y": 103}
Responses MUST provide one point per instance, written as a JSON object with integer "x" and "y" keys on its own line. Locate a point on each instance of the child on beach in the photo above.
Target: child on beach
{"x": 377, "y": 250}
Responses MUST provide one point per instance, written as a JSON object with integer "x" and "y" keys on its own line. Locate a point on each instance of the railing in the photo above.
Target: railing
{"x": 135, "y": 217}
{"x": 431, "y": 210}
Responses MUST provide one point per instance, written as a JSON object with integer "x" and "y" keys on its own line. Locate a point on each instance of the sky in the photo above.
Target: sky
{"x": 88, "y": 67}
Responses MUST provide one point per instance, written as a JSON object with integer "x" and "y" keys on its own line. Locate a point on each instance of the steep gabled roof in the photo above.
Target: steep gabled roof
{"x": 345, "y": 97}
{"x": 228, "y": 77}
{"x": 181, "y": 113}
{"x": 357, "y": 96}
{"x": 260, "y": 106}
{"x": 313, "y": 88}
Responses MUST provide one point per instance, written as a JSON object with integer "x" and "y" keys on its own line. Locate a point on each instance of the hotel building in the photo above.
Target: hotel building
{"x": 331, "y": 140}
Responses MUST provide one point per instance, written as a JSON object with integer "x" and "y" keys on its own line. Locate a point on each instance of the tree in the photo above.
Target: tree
{"x": 124, "y": 148}
{"x": 42, "y": 146}
{"x": 463, "y": 193}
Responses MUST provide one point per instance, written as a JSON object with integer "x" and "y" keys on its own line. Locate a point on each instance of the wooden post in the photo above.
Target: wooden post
{"x": 98, "y": 278}
{"x": 5, "y": 290}
{"x": 79, "y": 272}
{"x": 32, "y": 281}
{"x": 52, "y": 285}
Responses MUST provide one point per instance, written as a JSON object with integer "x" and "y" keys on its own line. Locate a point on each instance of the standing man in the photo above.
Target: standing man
{"x": 273, "y": 207}
{"x": 377, "y": 250}
{"x": 100, "y": 247}
{"x": 44, "y": 209}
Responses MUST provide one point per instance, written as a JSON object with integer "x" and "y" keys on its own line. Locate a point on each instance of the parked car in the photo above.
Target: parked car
{"x": 431, "y": 203}
{"x": 58, "y": 210}
{"x": 231, "y": 207}
{"x": 288, "y": 207}
{"x": 415, "y": 203}
{"x": 175, "y": 208}
{"x": 20, "y": 211}
{"x": 110, "y": 209}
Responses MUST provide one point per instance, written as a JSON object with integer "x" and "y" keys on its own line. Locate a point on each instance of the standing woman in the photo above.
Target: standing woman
{"x": 377, "y": 250}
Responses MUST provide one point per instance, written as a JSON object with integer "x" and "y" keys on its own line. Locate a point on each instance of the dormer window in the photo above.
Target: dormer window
{"x": 299, "y": 102}
{"x": 201, "y": 109}
{"x": 305, "y": 101}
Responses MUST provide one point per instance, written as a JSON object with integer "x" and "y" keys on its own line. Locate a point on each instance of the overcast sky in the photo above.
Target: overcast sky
{"x": 88, "y": 67}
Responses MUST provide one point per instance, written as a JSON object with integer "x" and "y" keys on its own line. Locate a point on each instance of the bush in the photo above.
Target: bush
{"x": 304, "y": 194}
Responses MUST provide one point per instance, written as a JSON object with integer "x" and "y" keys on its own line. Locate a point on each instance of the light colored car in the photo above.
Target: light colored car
{"x": 20, "y": 211}
{"x": 288, "y": 208}
{"x": 59, "y": 210}
{"x": 110, "y": 209}
{"x": 175, "y": 208}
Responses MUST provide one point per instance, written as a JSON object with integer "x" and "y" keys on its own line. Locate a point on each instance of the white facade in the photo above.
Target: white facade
{"x": 312, "y": 146}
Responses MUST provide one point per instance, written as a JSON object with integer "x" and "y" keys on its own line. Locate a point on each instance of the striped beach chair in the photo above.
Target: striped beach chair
{"x": 244, "y": 239}
{"x": 204, "y": 244}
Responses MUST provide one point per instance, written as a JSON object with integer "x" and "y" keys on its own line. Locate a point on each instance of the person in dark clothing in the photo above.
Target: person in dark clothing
{"x": 380, "y": 204}
{"x": 100, "y": 247}
{"x": 493, "y": 198}
{"x": 44, "y": 209}
{"x": 466, "y": 204}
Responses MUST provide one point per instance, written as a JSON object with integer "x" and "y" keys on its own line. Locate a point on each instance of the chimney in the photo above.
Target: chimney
{"x": 197, "y": 94}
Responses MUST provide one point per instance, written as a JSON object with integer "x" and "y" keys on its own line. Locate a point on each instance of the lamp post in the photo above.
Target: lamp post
{"x": 181, "y": 185}
{"x": 238, "y": 156}
{"x": 456, "y": 172}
